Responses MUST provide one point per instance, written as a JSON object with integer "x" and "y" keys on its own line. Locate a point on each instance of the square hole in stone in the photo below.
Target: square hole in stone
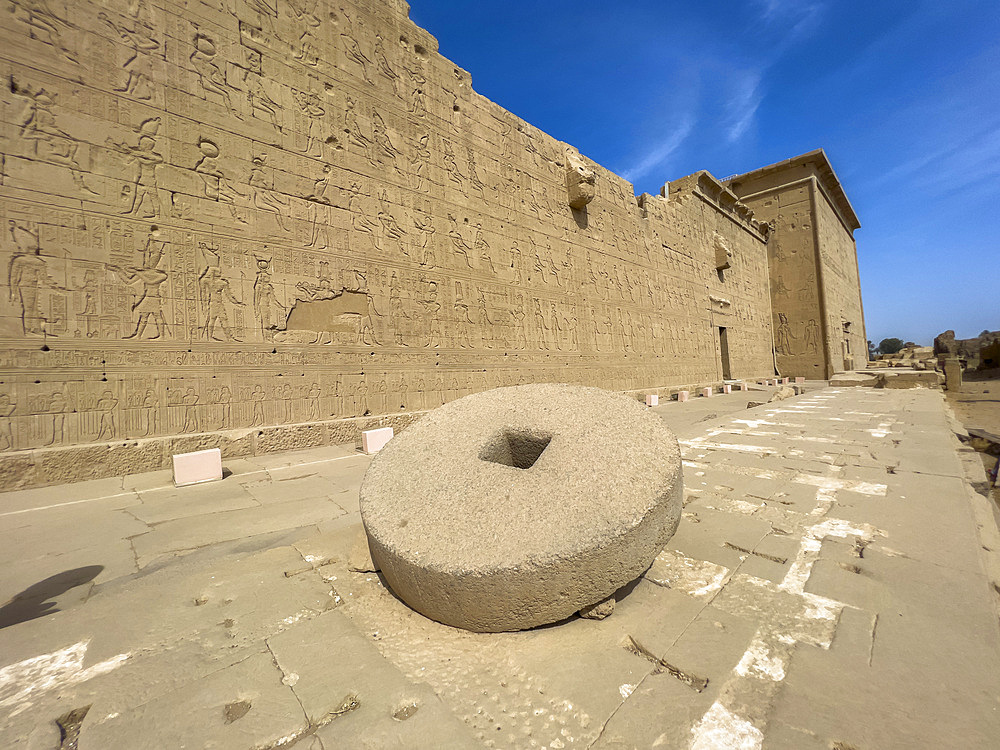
{"x": 517, "y": 448}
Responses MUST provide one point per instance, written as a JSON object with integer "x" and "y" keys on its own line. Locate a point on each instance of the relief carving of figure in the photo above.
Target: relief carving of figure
{"x": 420, "y": 156}
{"x": 352, "y": 51}
{"x": 812, "y": 336}
{"x": 7, "y": 407}
{"x": 44, "y": 25}
{"x": 106, "y": 405}
{"x": 320, "y": 216}
{"x": 305, "y": 15}
{"x": 425, "y": 226}
{"x": 417, "y": 104}
{"x": 270, "y": 312}
{"x": 257, "y": 96}
{"x": 49, "y": 142}
{"x": 215, "y": 183}
{"x": 474, "y": 180}
{"x": 138, "y": 67}
{"x": 190, "y": 402}
{"x": 390, "y": 227}
{"x": 27, "y": 276}
{"x": 461, "y": 246}
{"x": 311, "y": 107}
{"x": 150, "y": 408}
{"x": 57, "y": 408}
{"x": 783, "y": 336}
{"x": 385, "y": 69}
{"x": 215, "y": 293}
{"x": 145, "y": 199}
{"x": 432, "y": 309}
{"x": 257, "y": 397}
{"x": 359, "y": 221}
{"x": 380, "y": 134}
{"x": 148, "y": 304}
{"x": 353, "y": 131}
{"x": 450, "y": 165}
{"x": 264, "y": 196}
{"x": 315, "y": 392}
{"x": 211, "y": 77}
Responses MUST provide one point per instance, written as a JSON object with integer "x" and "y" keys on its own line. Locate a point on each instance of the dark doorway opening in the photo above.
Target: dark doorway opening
{"x": 724, "y": 353}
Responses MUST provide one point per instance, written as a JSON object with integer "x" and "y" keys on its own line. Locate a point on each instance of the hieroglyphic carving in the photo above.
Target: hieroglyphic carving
{"x": 407, "y": 222}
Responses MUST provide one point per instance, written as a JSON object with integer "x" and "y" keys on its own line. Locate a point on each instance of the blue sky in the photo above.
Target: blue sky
{"x": 904, "y": 96}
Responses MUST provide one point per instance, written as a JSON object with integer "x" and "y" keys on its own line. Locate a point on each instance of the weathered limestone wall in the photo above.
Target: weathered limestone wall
{"x": 237, "y": 223}
{"x": 792, "y": 263}
{"x": 847, "y": 344}
{"x": 812, "y": 258}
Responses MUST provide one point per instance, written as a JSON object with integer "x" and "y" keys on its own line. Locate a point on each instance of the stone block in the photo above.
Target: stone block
{"x": 232, "y": 443}
{"x": 372, "y": 441}
{"x": 800, "y": 379}
{"x": 853, "y": 379}
{"x": 912, "y": 379}
{"x": 97, "y": 461}
{"x": 683, "y": 395}
{"x": 953, "y": 373}
{"x": 727, "y": 388}
{"x": 652, "y": 399}
{"x": 520, "y": 506}
{"x": 197, "y": 467}
{"x": 706, "y": 392}
{"x": 290, "y": 438}
{"x": 342, "y": 431}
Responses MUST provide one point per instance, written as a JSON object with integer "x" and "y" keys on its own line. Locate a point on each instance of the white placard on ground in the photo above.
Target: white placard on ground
{"x": 372, "y": 441}
{"x": 197, "y": 467}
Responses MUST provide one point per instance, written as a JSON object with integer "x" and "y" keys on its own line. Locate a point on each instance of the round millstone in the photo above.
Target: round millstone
{"x": 519, "y": 506}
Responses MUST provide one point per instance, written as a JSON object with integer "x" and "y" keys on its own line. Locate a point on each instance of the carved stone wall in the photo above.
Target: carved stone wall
{"x": 235, "y": 223}
{"x": 848, "y": 346}
{"x": 818, "y": 318}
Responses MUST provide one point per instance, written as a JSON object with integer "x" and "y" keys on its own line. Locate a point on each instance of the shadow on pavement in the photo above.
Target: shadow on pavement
{"x": 34, "y": 602}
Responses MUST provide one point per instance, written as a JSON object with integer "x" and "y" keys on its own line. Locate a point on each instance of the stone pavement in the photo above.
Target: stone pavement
{"x": 833, "y": 584}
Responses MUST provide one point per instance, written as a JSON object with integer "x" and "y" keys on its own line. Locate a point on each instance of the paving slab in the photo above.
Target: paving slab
{"x": 811, "y": 598}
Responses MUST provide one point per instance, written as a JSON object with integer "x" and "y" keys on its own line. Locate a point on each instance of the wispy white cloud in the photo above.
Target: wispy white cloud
{"x": 743, "y": 105}
{"x": 661, "y": 152}
{"x": 793, "y": 21}
{"x": 797, "y": 18}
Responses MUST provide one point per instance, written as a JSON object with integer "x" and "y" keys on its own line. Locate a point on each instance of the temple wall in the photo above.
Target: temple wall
{"x": 241, "y": 224}
{"x": 848, "y": 345}
{"x": 792, "y": 263}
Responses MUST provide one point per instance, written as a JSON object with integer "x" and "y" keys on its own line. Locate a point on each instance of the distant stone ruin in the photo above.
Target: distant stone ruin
{"x": 982, "y": 352}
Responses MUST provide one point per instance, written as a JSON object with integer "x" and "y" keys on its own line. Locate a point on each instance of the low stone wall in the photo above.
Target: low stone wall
{"x": 45, "y": 466}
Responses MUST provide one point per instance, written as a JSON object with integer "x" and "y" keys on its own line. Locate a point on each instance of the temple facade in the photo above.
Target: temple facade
{"x": 818, "y": 318}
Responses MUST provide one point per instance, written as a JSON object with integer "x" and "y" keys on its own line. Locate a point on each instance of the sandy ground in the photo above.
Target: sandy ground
{"x": 977, "y": 405}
